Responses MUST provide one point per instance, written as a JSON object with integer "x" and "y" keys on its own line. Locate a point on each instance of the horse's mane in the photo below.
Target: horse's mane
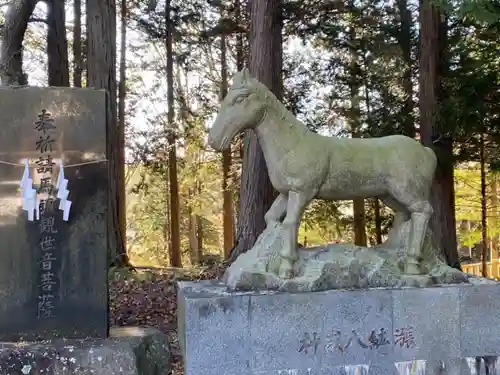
{"x": 242, "y": 81}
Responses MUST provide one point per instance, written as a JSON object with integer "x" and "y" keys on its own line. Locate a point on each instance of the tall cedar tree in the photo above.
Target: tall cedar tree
{"x": 265, "y": 64}
{"x": 77, "y": 44}
{"x": 101, "y": 74}
{"x": 227, "y": 216}
{"x": 57, "y": 44}
{"x": 122, "y": 92}
{"x": 11, "y": 49}
{"x": 354, "y": 120}
{"x": 484, "y": 212}
{"x": 175, "y": 236}
{"x": 494, "y": 215}
{"x": 432, "y": 46}
{"x": 405, "y": 43}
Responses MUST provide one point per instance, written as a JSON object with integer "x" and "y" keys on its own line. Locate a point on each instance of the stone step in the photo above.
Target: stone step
{"x": 128, "y": 351}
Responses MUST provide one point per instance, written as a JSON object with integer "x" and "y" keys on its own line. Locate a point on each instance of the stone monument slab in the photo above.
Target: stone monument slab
{"x": 53, "y": 269}
{"x": 424, "y": 331}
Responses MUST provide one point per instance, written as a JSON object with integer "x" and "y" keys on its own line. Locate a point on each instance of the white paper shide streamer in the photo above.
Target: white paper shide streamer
{"x": 28, "y": 193}
{"x": 63, "y": 192}
{"x": 30, "y": 199}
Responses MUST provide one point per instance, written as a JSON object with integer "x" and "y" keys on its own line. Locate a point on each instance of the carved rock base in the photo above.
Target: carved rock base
{"x": 338, "y": 266}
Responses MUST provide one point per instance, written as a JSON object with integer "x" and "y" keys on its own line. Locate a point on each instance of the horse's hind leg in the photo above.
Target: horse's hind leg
{"x": 421, "y": 213}
{"x": 297, "y": 202}
{"x": 401, "y": 215}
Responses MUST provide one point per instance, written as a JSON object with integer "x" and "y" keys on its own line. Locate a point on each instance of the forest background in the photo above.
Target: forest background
{"x": 353, "y": 68}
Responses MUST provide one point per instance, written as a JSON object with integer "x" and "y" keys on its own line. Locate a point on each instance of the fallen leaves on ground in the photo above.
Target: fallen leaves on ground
{"x": 148, "y": 299}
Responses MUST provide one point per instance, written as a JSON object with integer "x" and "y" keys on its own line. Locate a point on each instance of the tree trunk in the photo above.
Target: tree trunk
{"x": 405, "y": 44}
{"x": 77, "y": 44}
{"x": 57, "y": 44}
{"x": 469, "y": 229}
{"x": 493, "y": 217}
{"x": 199, "y": 226}
{"x": 376, "y": 202}
{"x": 166, "y": 230}
{"x": 122, "y": 92}
{"x": 443, "y": 222}
{"x": 354, "y": 120}
{"x": 378, "y": 221}
{"x": 227, "y": 211}
{"x": 484, "y": 209}
{"x": 358, "y": 208}
{"x": 11, "y": 48}
{"x": 175, "y": 239}
{"x": 101, "y": 74}
{"x": 240, "y": 63}
{"x": 240, "y": 39}
{"x": 193, "y": 239}
{"x": 266, "y": 62}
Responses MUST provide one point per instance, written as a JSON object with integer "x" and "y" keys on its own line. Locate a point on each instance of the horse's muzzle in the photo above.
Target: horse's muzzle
{"x": 215, "y": 143}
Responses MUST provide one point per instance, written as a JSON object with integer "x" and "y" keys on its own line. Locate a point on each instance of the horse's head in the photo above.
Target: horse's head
{"x": 241, "y": 109}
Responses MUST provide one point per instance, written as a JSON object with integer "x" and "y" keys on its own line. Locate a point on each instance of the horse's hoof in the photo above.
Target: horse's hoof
{"x": 412, "y": 268}
{"x": 273, "y": 263}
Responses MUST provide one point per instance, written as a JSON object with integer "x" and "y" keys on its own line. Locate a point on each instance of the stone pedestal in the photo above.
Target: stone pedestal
{"x": 448, "y": 329}
{"x": 128, "y": 351}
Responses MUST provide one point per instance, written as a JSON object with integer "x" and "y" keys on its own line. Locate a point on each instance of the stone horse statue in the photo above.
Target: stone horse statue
{"x": 304, "y": 165}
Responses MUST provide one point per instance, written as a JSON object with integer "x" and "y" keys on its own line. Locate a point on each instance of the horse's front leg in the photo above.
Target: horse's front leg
{"x": 297, "y": 202}
{"x": 277, "y": 210}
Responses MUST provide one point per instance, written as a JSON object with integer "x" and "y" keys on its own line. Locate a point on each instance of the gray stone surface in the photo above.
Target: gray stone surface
{"x": 338, "y": 266}
{"x": 128, "y": 351}
{"x": 438, "y": 330}
{"x": 65, "y": 293}
{"x": 201, "y": 322}
{"x": 476, "y": 319}
{"x": 439, "y": 309}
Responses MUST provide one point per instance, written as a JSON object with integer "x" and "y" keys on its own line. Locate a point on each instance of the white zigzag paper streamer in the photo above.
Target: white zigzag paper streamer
{"x": 63, "y": 192}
